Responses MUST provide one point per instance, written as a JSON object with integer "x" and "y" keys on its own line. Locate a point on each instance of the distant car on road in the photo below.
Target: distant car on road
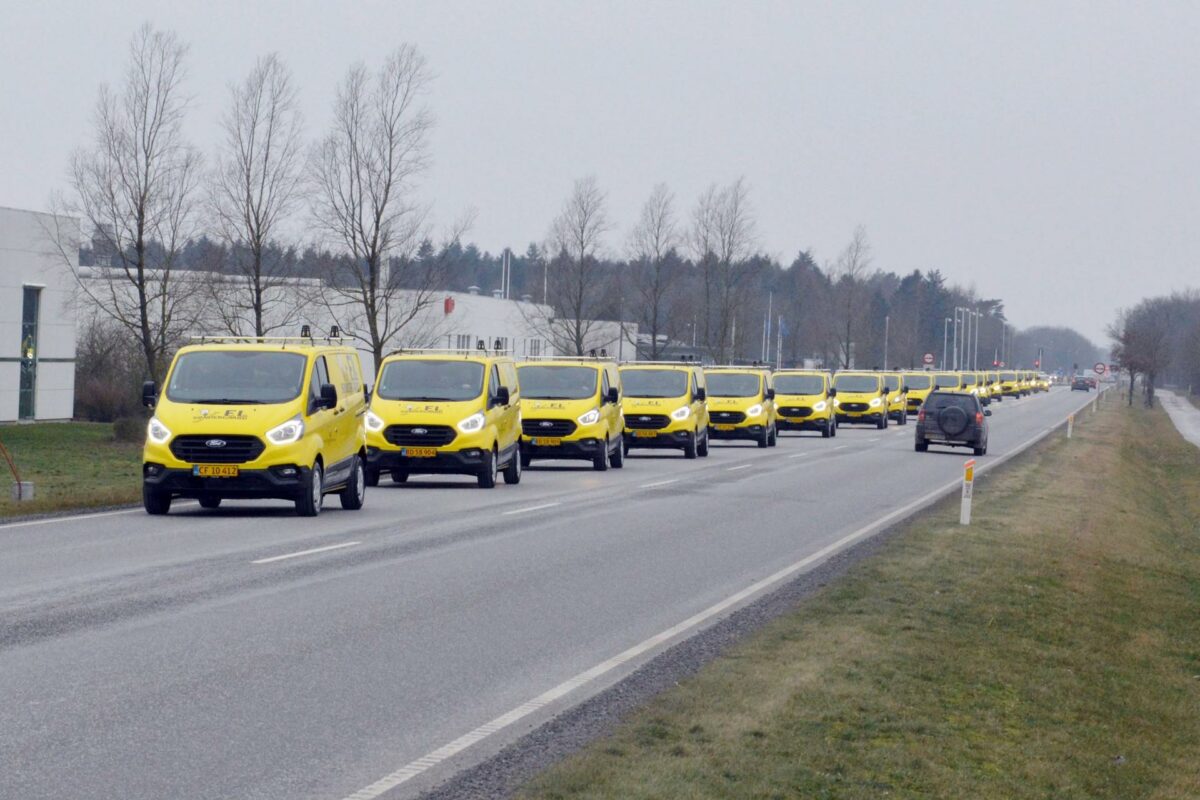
{"x": 1081, "y": 384}
{"x": 953, "y": 419}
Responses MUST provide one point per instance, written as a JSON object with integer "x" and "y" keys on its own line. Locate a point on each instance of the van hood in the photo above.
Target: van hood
{"x": 558, "y": 408}
{"x": 731, "y": 403}
{"x": 193, "y": 418}
{"x": 421, "y": 412}
{"x": 652, "y": 405}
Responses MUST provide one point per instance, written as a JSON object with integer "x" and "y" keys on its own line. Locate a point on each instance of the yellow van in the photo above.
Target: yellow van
{"x": 664, "y": 406}
{"x": 949, "y": 381}
{"x": 995, "y": 387}
{"x": 571, "y": 408}
{"x": 918, "y": 385}
{"x": 741, "y": 404}
{"x": 861, "y": 397}
{"x": 1009, "y": 384}
{"x": 255, "y": 419}
{"x": 804, "y": 401}
{"x": 897, "y": 398}
{"x": 445, "y": 412}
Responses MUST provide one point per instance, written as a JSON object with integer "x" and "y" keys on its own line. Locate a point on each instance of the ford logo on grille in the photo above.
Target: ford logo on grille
{"x": 546, "y": 424}
{"x": 215, "y": 443}
{"x": 420, "y": 431}
{"x": 643, "y": 419}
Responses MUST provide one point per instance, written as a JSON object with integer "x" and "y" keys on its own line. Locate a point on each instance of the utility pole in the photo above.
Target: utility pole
{"x": 945, "y": 340}
{"x": 887, "y": 324}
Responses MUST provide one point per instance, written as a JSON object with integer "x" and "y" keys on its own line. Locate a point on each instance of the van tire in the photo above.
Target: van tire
{"x": 765, "y": 439}
{"x": 702, "y": 447}
{"x": 882, "y": 422}
{"x": 371, "y": 477}
{"x": 512, "y": 471}
{"x": 827, "y": 430}
{"x": 600, "y": 462}
{"x": 309, "y": 501}
{"x": 487, "y": 473}
{"x": 689, "y": 447}
{"x": 209, "y": 501}
{"x": 355, "y": 493}
{"x": 526, "y": 460}
{"x": 156, "y": 501}
{"x": 617, "y": 459}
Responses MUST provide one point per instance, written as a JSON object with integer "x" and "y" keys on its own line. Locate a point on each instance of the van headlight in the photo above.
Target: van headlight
{"x": 374, "y": 422}
{"x": 590, "y": 418}
{"x": 754, "y": 410}
{"x": 876, "y": 402}
{"x": 836, "y": 402}
{"x": 821, "y": 405}
{"x": 472, "y": 423}
{"x": 681, "y": 413}
{"x": 156, "y": 431}
{"x": 288, "y": 432}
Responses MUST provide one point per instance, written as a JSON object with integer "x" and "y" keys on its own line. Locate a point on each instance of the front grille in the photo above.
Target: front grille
{"x": 796, "y": 411}
{"x": 727, "y": 417}
{"x": 854, "y": 406}
{"x": 216, "y": 449}
{"x": 647, "y": 422}
{"x": 419, "y": 435}
{"x": 556, "y": 428}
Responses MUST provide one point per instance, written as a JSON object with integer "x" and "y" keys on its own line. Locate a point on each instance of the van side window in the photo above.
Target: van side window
{"x": 319, "y": 376}
{"x": 603, "y": 386}
{"x": 493, "y": 384}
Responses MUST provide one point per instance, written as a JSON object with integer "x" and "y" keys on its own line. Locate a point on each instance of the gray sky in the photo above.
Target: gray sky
{"x": 1045, "y": 153}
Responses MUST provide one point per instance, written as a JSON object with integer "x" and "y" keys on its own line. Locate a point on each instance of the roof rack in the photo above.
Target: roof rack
{"x": 568, "y": 358}
{"x": 766, "y": 367}
{"x": 448, "y": 351}
{"x": 205, "y": 338}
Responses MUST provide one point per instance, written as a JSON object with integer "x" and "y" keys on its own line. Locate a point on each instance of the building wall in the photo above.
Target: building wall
{"x": 30, "y": 256}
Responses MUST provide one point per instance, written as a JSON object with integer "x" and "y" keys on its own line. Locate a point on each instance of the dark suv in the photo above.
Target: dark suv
{"x": 953, "y": 419}
{"x": 1081, "y": 384}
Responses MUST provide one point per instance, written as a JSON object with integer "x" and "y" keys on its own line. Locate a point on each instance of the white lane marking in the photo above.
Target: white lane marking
{"x": 797, "y": 455}
{"x": 876, "y": 439}
{"x": 739, "y": 466}
{"x": 451, "y": 749}
{"x": 324, "y": 549}
{"x": 49, "y": 520}
{"x": 527, "y": 509}
{"x": 658, "y": 483}
{"x": 841, "y": 447}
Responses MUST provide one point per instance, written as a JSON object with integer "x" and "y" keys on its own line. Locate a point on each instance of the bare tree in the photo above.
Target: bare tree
{"x": 364, "y": 173}
{"x": 655, "y": 264}
{"x": 134, "y": 188}
{"x": 578, "y": 285}
{"x": 851, "y": 270}
{"x": 252, "y": 191}
{"x": 722, "y": 239}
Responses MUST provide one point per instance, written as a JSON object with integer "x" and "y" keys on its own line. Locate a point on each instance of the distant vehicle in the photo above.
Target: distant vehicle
{"x": 1080, "y": 384}
{"x": 953, "y": 419}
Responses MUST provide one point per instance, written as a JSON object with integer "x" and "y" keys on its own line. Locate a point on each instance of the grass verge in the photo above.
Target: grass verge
{"x": 1050, "y": 650}
{"x": 72, "y": 465}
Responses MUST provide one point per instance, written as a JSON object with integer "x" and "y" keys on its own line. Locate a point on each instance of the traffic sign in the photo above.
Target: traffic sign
{"x": 927, "y": 358}
{"x": 1100, "y": 367}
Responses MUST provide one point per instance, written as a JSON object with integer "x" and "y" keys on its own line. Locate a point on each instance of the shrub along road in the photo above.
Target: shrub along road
{"x": 1048, "y": 650}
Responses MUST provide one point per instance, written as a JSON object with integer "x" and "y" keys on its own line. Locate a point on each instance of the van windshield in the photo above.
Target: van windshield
{"x": 732, "y": 384}
{"x": 556, "y": 383}
{"x": 799, "y": 384}
{"x": 236, "y": 377}
{"x": 946, "y": 381}
{"x": 654, "y": 382}
{"x": 856, "y": 383}
{"x": 892, "y": 382}
{"x": 430, "y": 380}
{"x": 918, "y": 381}
{"x": 1008, "y": 377}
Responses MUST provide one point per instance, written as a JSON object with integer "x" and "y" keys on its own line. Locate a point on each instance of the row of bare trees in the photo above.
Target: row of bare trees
{"x": 1158, "y": 340}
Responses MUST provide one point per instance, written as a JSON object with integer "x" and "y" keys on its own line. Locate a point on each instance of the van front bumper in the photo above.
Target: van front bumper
{"x": 468, "y": 461}
{"x": 737, "y": 432}
{"x": 282, "y": 482}
{"x": 674, "y": 440}
{"x": 803, "y": 423}
{"x": 586, "y": 449}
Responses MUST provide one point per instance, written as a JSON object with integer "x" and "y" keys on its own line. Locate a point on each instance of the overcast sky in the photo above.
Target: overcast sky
{"x": 1044, "y": 153}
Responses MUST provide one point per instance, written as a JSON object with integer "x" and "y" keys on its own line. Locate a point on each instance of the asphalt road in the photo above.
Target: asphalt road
{"x": 154, "y": 658}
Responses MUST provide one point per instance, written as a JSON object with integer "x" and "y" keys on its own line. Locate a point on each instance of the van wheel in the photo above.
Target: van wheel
{"x": 827, "y": 430}
{"x": 600, "y": 462}
{"x": 355, "y": 493}
{"x": 488, "y": 473}
{"x": 833, "y": 423}
{"x": 371, "y": 476}
{"x": 156, "y": 501}
{"x": 903, "y": 420}
{"x": 689, "y": 447}
{"x": 881, "y": 423}
{"x": 312, "y": 492}
{"x": 617, "y": 459}
{"x": 526, "y": 460}
{"x": 399, "y": 476}
{"x": 774, "y": 440}
{"x": 210, "y": 502}
{"x": 765, "y": 439}
{"x": 702, "y": 447}
{"x": 512, "y": 473}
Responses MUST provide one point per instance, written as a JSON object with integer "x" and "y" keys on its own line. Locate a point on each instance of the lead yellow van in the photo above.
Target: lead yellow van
{"x": 861, "y": 397}
{"x": 918, "y": 385}
{"x": 255, "y": 419}
{"x": 445, "y": 412}
{"x": 804, "y": 401}
{"x": 741, "y": 404}
{"x": 571, "y": 408}
{"x": 665, "y": 407}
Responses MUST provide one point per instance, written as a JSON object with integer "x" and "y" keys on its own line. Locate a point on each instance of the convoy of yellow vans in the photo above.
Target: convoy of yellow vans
{"x": 293, "y": 419}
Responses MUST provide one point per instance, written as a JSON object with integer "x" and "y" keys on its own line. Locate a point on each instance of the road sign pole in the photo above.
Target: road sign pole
{"x": 968, "y": 488}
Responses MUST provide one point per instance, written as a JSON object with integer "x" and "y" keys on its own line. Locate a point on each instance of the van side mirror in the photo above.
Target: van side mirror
{"x": 770, "y": 395}
{"x": 832, "y": 392}
{"x": 366, "y": 394}
{"x": 502, "y": 396}
{"x": 149, "y": 394}
{"x": 329, "y": 396}
{"x": 700, "y": 395}
{"x": 614, "y": 395}
{"x": 885, "y": 391}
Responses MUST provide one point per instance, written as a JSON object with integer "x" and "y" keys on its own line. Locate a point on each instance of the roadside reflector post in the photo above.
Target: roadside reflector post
{"x": 968, "y": 488}
{"x": 1070, "y": 424}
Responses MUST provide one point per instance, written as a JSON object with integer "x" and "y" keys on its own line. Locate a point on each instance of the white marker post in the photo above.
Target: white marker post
{"x": 1070, "y": 424}
{"x": 968, "y": 488}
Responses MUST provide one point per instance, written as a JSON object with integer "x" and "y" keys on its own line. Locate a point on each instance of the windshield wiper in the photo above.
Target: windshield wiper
{"x": 427, "y": 399}
{"x": 228, "y": 401}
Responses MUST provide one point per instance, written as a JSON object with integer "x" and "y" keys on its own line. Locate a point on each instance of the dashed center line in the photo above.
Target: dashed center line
{"x": 797, "y": 455}
{"x": 528, "y": 509}
{"x": 841, "y": 447}
{"x": 739, "y": 466}
{"x": 658, "y": 483}
{"x": 324, "y": 549}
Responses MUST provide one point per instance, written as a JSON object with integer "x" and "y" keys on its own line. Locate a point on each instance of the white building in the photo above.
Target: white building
{"x": 37, "y": 316}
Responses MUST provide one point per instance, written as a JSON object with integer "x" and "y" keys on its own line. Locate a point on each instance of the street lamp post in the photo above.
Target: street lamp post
{"x": 886, "y": 329}
{"x": 945, "y": 340}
